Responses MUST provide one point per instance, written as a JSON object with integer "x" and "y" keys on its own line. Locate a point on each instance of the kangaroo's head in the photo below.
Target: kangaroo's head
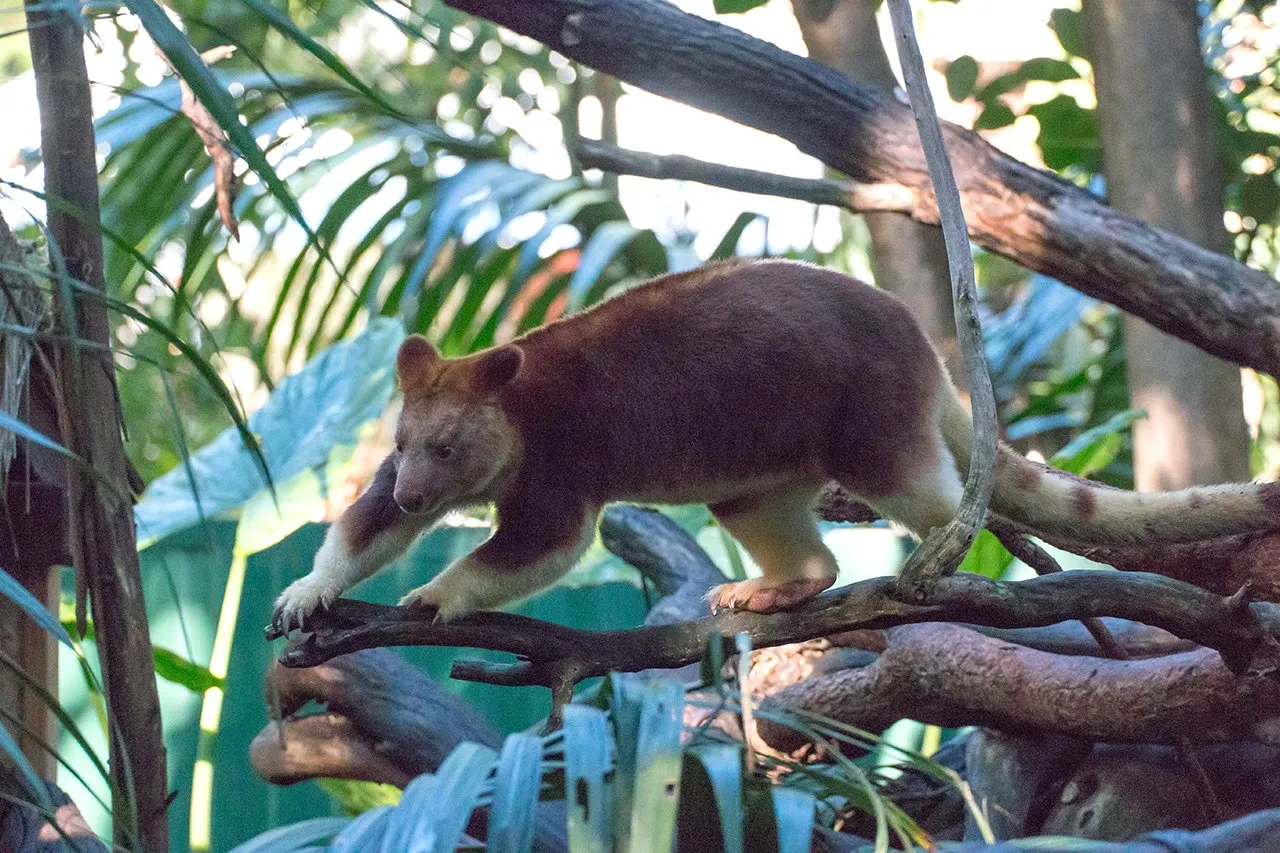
{"x": 454, "y": 442}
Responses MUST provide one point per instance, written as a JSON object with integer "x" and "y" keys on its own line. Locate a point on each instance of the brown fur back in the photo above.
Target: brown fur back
{"x": 697, "y": 385}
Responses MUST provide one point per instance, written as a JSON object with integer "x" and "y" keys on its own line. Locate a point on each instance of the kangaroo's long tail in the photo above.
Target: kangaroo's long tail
{"x": 1062, "y": 505}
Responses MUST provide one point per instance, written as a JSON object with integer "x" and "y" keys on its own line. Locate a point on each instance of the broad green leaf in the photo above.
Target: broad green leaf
{"x": 587, "y": 747}
{"x": 711, "y": 790}
{"x": 309, "y": 415}
{"x": 515, "y": 794}
{"x": 19, "y": 595}
{"x": 435, "y": 808}
{"x": 294, "y": 837}
{"x": 1065, "y": 24}
{"x": 994, "y": 115}
{"x": 986, "y": 557}
{"x": 169, "y": 665}
{"x": 793, "y": 809}
{"x": 728, "y": 7}
{"x": 172, "y": 666}
{"x": 1068, "y": 134}
{"x": 658, "y": 758}
{"x": 962, "y": 75}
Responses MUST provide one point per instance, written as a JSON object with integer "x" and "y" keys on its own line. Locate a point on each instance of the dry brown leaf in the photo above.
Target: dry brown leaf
{"x": 215, "y": 142}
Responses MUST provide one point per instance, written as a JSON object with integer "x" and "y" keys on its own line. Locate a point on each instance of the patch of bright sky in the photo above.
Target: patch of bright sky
{"x": 989, "y": 30}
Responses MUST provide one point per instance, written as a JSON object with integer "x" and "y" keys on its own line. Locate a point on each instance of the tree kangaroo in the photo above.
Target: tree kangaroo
{"x": 745, "y": 385}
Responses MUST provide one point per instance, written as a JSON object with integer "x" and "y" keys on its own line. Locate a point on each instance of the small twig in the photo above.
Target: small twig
{"x": 942, "y": 550}
{"x": 852, "y": 196}
{"x": 1021, "y": 546}
{"x": 1213, "y": 808}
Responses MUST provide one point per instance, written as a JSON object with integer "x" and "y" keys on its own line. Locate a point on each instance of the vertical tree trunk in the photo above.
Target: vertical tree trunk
{"x": 909, "y": 259}
{"x": 33, "y": 535}
{"x": 100, "y": 513}
{"x": 1163, "y": 165}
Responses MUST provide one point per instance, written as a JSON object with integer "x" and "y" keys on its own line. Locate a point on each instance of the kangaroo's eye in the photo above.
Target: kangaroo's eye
{"x": 444, "y": 451}
{"x": 399, "y": 447}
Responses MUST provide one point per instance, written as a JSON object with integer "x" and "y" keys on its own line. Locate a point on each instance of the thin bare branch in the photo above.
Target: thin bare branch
{"x": 942, "y": 550}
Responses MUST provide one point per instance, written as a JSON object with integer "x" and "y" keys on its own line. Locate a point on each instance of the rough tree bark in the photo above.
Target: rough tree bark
{"x": 1026, "y": 214}
{"x": 100, "y": 512}
{"x": 948, "y": 675}
{"x": 908, "y": 258}
{"x": 1164, "y": 166}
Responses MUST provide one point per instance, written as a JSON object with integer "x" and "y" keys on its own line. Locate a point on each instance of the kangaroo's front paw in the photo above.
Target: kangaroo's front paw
{"x": 435, "y": 597}
{"x": 300, "y": 599}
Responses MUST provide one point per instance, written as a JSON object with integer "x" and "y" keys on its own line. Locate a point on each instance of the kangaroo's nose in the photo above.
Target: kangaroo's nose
{"x": 410, "y": 503}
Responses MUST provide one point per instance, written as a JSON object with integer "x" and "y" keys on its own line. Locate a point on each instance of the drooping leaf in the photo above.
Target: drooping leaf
{"x": 793, "y": 810}
{"x": 515, "y": 794}
{"x": 435, "y": 807}
{"x": 656, "y": 796}
{"x": 182, "y": 56}
{"x": 19, "y": 595}
{"x": 711, "y": 797}
{"x": 587, "y": 748}
{"x": 172, "y": 666}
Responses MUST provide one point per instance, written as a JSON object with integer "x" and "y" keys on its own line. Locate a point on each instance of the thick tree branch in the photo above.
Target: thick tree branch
{"x": 1245, "y": 634}
{"x": 384, "y": 721}
{"x": 950, "y": 676}
{"x": 1029, "y": 215}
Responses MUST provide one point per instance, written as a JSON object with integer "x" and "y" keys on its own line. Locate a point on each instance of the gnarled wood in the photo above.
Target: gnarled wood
{"x": 950, "y": 676}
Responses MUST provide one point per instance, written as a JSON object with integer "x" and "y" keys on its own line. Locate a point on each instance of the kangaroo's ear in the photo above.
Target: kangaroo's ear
{"x": 495, "y": 368}
{"x": 417, "y": 364}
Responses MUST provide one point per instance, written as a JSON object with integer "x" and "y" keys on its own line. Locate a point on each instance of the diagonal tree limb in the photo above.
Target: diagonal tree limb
{"x": 1029, "y": 215}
